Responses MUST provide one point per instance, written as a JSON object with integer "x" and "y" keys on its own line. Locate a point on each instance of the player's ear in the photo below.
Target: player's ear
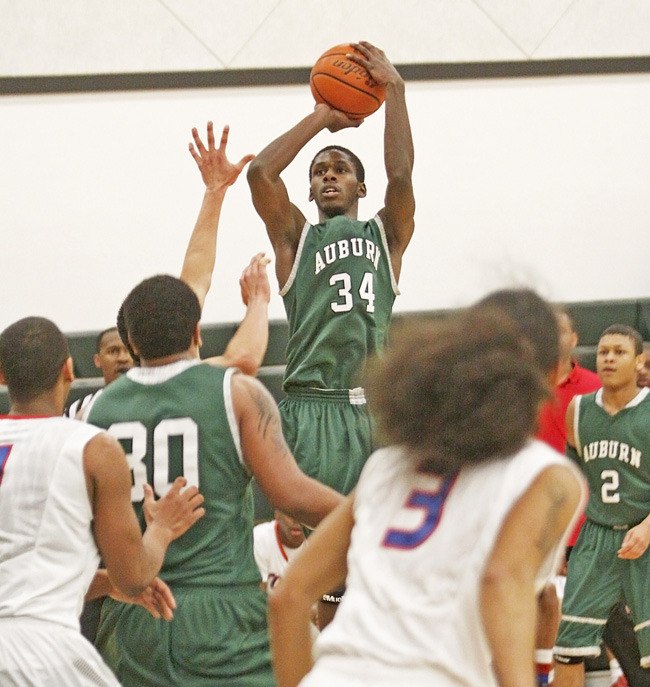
{"x": 196, "y": 337}
{"x": 311, "y": 195}
{"x": 361, "y": 190}
{"x": 639, "y": 363}
{"x": 132, "y": 345}
{"x": 96, "y": 361}
{"x": 68, "y": 370}
{"x": 3, "y": 380}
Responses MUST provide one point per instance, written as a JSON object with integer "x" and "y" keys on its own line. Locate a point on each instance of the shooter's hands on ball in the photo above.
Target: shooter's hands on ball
{"x": 337, "y": 120}
{"x": 375, "y": 62}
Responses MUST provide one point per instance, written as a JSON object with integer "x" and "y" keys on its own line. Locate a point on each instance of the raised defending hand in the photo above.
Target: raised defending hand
{"x": 157, "y": 598}
{"x": 216, "y": 170}
{"x": 177, "y": 510}
{"x": 375, "y": 62}
{"x": 254, "y": 281}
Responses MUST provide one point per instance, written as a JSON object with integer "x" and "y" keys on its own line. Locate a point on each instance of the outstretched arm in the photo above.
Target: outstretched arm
{"x": 399, "y": 209}
{"x": 283, "y": 220}
{"x": 321, "y": 567}
{"x": 217, "y": 174}
{"x": 269, "y": 459}
{"x": 533, "y": 528}
{"x": 247, "y": 347}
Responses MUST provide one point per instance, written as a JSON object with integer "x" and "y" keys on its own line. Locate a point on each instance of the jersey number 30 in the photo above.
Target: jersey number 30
{"x": 136, "y": 432}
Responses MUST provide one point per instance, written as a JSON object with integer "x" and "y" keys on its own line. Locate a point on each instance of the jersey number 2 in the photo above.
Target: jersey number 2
{"x": 431, "y": 503}
{"x": 136, "y": 432}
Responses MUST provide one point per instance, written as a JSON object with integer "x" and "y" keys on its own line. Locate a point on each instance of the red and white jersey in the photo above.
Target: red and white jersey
{"x": 410, "y": 614}
{"x": 271, "y": 556}
{"x": 48, "y": 555}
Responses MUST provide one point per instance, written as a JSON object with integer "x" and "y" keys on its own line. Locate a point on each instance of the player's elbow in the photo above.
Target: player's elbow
{"x": 256, "y": 172}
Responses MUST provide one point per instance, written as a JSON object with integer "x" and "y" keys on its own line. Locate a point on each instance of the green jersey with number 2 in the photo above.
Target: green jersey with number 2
{"x": 614, "y": 453}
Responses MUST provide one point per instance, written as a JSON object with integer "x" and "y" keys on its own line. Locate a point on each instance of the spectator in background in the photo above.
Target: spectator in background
{"x": 276, "y": 544}
{"x": 572, "y": 379}
{"x": 112, "y": 357}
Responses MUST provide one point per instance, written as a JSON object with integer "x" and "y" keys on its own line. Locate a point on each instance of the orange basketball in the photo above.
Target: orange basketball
{"x": 345, "y": 85}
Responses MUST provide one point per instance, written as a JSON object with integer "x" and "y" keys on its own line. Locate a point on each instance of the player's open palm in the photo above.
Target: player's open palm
{"x": 216, "y": 170}
{"x": 178, "y": 509}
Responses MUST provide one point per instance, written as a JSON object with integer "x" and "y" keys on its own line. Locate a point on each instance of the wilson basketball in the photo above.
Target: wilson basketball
{"x": 345, "y": 85}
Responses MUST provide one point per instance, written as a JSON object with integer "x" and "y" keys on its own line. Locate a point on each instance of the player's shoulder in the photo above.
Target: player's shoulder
{"x": 384, "y": 467}
{"x": 536, "y": 449}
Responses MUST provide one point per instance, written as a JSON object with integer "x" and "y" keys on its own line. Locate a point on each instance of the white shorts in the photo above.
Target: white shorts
{"x": 38, "y": 653}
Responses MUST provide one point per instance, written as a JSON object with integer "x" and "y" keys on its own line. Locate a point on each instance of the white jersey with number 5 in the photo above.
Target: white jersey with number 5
{"x": 410, "y": 614}
{"x": 48, "y": 554}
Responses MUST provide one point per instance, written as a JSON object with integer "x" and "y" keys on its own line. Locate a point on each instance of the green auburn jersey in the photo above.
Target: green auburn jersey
{"x": 613, "y": 451}
{"x": 338, "y": 299}
{"x": 178, "y": 420}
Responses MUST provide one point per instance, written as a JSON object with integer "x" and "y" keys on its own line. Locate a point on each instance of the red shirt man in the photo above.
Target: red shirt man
{"x": 574, "y": 380}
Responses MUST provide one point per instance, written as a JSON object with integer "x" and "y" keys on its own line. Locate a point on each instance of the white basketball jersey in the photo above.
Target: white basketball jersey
{"x": 270, "y": 554}
{"x": 48, "y": 554}
{"x": 410, "y": 614}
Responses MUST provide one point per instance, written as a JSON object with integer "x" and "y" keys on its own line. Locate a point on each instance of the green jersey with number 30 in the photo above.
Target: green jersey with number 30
{"x": 614, "y": 453}
{"x": 178, "y": 420}
{"x": 338, "y": 299}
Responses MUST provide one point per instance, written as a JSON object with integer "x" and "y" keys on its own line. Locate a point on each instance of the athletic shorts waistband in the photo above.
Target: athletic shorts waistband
{"x": 616, "y": 528}
{"x": 355, "y": 397}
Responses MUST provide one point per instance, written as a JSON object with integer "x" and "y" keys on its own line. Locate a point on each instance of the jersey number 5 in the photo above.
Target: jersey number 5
{"x": 431, "y": 503}
{"x": 136, "y": 433}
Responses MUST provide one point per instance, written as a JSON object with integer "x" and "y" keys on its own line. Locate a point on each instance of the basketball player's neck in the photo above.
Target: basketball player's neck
{"x": 45, "y": 405}
{"x": 616, "y": 398}
{"x": 351, "y": 213}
